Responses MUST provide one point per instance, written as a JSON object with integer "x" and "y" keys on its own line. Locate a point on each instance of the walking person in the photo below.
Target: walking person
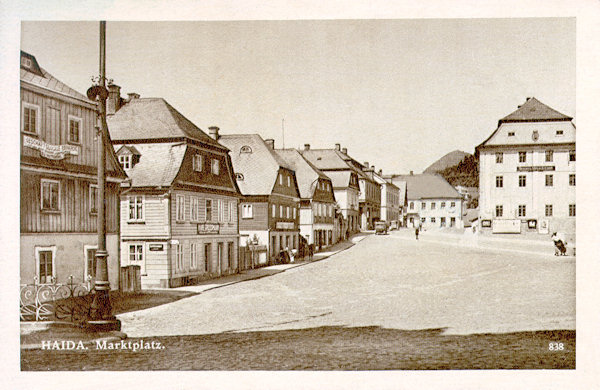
{"x": 560, "y": 244}
{"x": 417, "y": 233}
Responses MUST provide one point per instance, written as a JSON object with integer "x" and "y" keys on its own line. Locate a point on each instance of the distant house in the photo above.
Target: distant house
{"x": 59, "y": 186}
{"x": 317, "y": 200}
{"x": 432, "y": 201}
{"x": 269, "y": 210}
{"x": 390, "y": 199}
{"x": 527, "y": 172}
{"x": 179, "y": 219}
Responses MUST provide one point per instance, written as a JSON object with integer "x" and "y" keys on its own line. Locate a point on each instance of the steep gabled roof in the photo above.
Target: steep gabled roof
{"x": 158, "y": 165}
{"x": 36, "y": 75}
{"x": 340, "y": 179}
{"x": 426, "y": 186}
{"x": 533, "y": 111}
{"x": 331, "y": 159}
{"x": 258, "y": 163}
{"x": 307, "y": 174}
{"x": 153, "y": 118}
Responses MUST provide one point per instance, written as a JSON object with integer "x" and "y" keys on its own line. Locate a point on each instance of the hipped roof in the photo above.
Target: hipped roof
{"x": 426, "y": 186}
{"x": 533, "y": 110}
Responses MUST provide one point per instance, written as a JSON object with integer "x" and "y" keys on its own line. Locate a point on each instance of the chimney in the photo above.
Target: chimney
{"x": 337, "y": 147}
{"x": 133, "y": 95}
{"x": 366, "y": 164}
{"x": 381, "y": 172}
{"x": 213, "y": 131}
{"x": 113, "y": 103}
{"x": 270, "y": 143}
{"x": 306, "y": 146}
{"x": 345, "y": 150}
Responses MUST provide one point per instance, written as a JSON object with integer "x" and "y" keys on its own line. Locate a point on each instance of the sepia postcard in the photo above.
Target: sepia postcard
{"x": 301, "y": 197}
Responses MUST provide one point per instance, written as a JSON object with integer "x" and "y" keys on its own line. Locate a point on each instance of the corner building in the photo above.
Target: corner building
{"x": 527, "y": 172}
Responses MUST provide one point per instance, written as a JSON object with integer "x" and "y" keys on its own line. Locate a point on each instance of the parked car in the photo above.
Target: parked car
{"x": 380, "y": 228}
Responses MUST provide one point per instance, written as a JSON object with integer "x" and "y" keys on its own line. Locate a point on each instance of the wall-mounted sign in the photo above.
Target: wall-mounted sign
{"x": 285, "y": 225}
{"x": 532, "y": 223}
{"x": 156, "y": 247}
{"x": 486, "y": 223}
{"x": 506, "y": 226}
{"x": 536, "y": 168}
{"x": 543, "y": 226}
{"x": 208, "y": 228}
{"x": 535, "y": 135}
{"x": 52, "y": 152}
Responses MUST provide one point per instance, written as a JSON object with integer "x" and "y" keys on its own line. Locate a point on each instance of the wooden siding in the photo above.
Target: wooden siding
{"x": 188, "y": 227}
{"x": 74, "y": 205}
{"x": 285, "y": 202}
{"x": 321, "y": 195}
{"x": 260, "y": 216}
{"x": 205, "y": 177}
{"x": 284, "y": 189}
{"x": 156, "y": 218}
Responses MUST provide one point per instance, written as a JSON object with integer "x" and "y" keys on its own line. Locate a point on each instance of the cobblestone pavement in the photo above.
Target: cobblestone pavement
{"x": 390, "y": 281}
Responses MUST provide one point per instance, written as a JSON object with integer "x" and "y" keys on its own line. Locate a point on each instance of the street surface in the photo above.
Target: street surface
{"x": 392, "y": 281}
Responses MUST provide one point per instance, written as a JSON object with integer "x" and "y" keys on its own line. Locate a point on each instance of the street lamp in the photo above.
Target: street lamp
{"x": 101, "y": 317}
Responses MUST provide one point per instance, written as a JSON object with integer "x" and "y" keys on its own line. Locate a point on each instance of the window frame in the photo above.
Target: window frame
{"x": 143, "y": 208}
{"x": 549, "y": 156}
{"x": 572, "y": 156}
{"x": 125, "y": 160}
{"x": 51, "y": 249}
{"x": 215, "y": 166}
{"x": 50, "y": 181}
{"x": 180, "y": 208}
{"x": 231, "y": 211}
{"x": 499, "y": 181}
{"x": 142, "y": 260}
{"x": 86, "y": 264}
{"x": 31, "y": 106}
{"x": 511, "y": 133}
{"x": 247, "y": 211}
{"x": 93, "y": 205}
{"x": 194, "y": 206}
{"x": 548, "y": 210}
{"x": 499, "y": 211}
{"x": 499, "y": 157}
{"x": 522, "y": 181}
{"x": 524, "y": 157}
{"x": 572, "y": 179}
{"x": 221, "y": 210}
{"x": 197, "y": 162}
{"x": 208, "y": 217}
{"x": 522, "y": 210}
{"x": 179, "y": 257}
{"x": 193, "y": 255}
{"x": 549, "y": 180}
{"x": 79, "y": 121}
{"x": 572, "y": 210}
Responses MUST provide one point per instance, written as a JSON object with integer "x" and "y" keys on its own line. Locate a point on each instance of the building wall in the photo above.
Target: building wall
{"x": 70, "y": 255}
{"x": 228, "y": 223}
{"x": 156, "y": 218}
{"x": 260, "y": 216}
{"x": 448, "y": 212}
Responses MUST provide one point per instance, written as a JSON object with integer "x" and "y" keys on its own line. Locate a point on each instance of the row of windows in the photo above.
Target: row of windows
{"x": 288, "y": 180}
{"x": 50, "y": 196}
{"x": 322, "y": 210}
{"x": 284, "y": 211}
{"x": 46, "y": 263}
{"x": 198, "y": 164}
{"x": 522, "y": 210}
{"x": 549, "y": 156}
{"x": 432, "y": 205}
{"x": 558, "y": 133}
{"x": 31, "y": 123}
{"x": 442, "y": 221}
{"x": 195, "y": 205}
{"x": 549, "y": 180}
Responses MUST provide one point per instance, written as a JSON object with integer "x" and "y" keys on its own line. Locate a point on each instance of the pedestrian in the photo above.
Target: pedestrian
{"x": 310, "y": 251}
{"x": 417, "y": 232}
{"x": 560, "y": 244}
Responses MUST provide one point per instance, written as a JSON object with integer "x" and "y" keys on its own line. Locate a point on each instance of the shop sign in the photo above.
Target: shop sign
{"x": 285, "y": 225}
{"x": 532, "y": 223}
{"x": 52, "y": 152}
{"x": 208, "y": 228}
{"x": 543, "y": 226}
{"x": 536, "y": 168}
{"x": 155, "y": 247}
{"x": 486, "y": 223}
{"x": 506, "y": 226}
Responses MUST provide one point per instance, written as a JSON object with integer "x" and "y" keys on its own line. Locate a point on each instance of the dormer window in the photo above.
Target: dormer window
{"x": 125, "y": 161}
{"x": 197, "y": 162}
{"x": 25, "y": 62}
{"x": 245, "y": 149}
{"x": 239, "y": 176}
{"x": 559, "y": 132}
{"x": 511, "y": 133}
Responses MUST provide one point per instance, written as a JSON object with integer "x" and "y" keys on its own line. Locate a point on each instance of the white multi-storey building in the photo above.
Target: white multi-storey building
{"x": 527, "y": 172}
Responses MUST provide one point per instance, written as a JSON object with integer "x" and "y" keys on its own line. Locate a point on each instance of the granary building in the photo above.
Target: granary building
{"x": 59, "y": 192}
{"x": 179, "y": 218}
{"x": 527, "y": 172}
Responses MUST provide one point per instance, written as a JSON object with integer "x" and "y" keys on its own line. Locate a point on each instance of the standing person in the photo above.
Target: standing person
{"x": 417, "y": 233}
{"x": 311, "y": 251}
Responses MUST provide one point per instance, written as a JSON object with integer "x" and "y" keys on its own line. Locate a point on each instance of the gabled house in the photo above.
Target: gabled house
{"x": 317, "y": 200}
{"x": 269, "y": 210}
{"x": 179, "y": 219}
{"x": 59, "y": 192}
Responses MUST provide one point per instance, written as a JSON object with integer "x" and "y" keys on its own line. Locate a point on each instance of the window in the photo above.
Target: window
{"x": 571, "y": 210}
{"x": 50, "y": 195}
{"x": 30, "y": 121}
{"x": 207, "y": 257}
{"x": 572, "y": 179}
{"x": 511, "y": 133}
{"x": 93, "y": 199}
{"x": 522, "y": 210}
{"x": 179, "y": 256}
{"x": 499, "y": 157}
{"x": 136, "y": 255}
{"x": 280, "y": 211}
{"x": 281, "y": 179}
{"x": 548, "y": 210}
{"x": 193, "y": 256}
{"x": 74, "y": 130}
{"x": 26, "y": 62}
{"x": 239, "y": 176}
{"x": 571, "y": 155}
{"x": 422, "y": 219}
{"x": 432, "y": 219}
{"x": 273, "y": 211}
{"x": 214, "y": 167}
{"x": 443, "y": 205}
{"x": 231, "y": 215}
{"x": 287, "y": 212}
{"x": 452, "y": 204}
{"x": 180, "y": 208}
{"x": 433, "y": 205}
{"x": 197, "y": 162}
{"x": 208, "y": 208}
{"x": 549, "y": 180}
{"x": 125, "y": 161}
{"x": 499, "y": 211}
{"x": 289, "y": 181}
{"x": 247, "y": 211}
{"x": 549, "y": 156}
{"x": 499, "y": 181}
{"x": 412, "y": 205}
{"x": 443, "y": 221}
{"x": 136, "y": 208}
{"x": 194, "y": 209}
{"x": 45, "y": 263}
{"x": 90, "y": 261}
{"x": 522, "y": 180}
{"x": 294, "y": 212}
{"x": 559, "y": 132}
{"x": 221, "y": 210}
{"x": 423, "y": 205}
{"x": 522, "y": 157}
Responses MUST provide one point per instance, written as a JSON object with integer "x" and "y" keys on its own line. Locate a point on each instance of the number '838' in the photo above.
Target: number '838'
{"x": 556, "y": 347}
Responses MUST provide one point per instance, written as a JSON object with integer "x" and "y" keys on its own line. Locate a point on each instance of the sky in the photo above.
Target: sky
{"x": 398, "y": 94}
